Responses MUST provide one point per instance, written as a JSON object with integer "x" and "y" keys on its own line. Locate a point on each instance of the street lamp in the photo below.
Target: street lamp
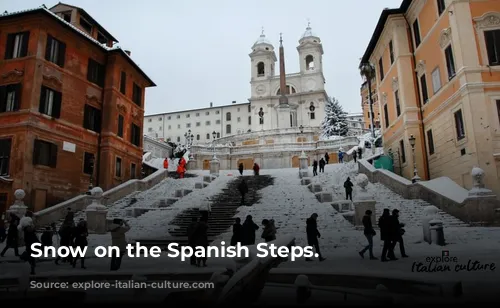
{"x": 415, "y": 178}
{"x": 91, "y": 165}
{"x": 214, "y": 134}
{"x": 303, "y": 154}
{"x": 367, "y": 70}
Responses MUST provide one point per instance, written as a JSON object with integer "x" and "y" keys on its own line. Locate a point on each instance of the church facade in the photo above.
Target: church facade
{"x": 305, "y": 92}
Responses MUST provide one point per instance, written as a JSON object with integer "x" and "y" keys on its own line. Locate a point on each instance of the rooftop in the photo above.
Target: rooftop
{"x": 196, "y": 109}
{"x": 262, "y": 40}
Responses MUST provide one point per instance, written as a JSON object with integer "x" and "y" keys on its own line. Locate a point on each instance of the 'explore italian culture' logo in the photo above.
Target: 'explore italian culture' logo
{"x": 447, "y": 263}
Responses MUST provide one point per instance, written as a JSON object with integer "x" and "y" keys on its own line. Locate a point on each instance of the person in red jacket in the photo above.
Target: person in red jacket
{"x": 256, "y": 169}
{"x": 181, "y": 168}
{"x": 165, "y": 163}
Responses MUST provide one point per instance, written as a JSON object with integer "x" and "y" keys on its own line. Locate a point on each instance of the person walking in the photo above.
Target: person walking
{"x": 315, "y": 167}
{"x": 12, "y": 236}
{"x": 369, "y": 233}
{"x": 248, "y": 231}
{"x": 191, "y": 240}
{"x": 327, "y": 158}
{"x": 341, "y": 157}
{"x": 348, "y": 188}
{"x": 165, "y": 163}
{"x": 243, "y": 189}
{"x": 322, "y": 165}
{"x": 256, "y": 169}
{"x": 118, "y": 240}
{"x": 313, "y": 235}
{"x": 354, "y": 155}
{"x": 237, "y": 231}
{"x": 81, "y": 233}
{"x": 384, "y": 223}
{"x": 360, "y": 153}
{"x": 29, "y": 232}
{"x": 66, "y": 236}
{"x": 397, "y": 233}
{"x": 201, "y": 239}
{"x": 240, "y": 168}
{"x": 47, "y": 236}
{"x": 269, "y": 232}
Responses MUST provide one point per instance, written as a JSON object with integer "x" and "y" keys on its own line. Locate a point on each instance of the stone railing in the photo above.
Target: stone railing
{"x": 477, "y": 206}
{"x": 78, "y": 203}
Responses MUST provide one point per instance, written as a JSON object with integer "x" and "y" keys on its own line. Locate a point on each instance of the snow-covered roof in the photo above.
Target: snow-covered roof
{"x": 308, "y": 33}
{"x": 262, "y": 40}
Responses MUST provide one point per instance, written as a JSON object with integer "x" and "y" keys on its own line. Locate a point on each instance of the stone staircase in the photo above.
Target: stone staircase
{"x": 224, "y": 207}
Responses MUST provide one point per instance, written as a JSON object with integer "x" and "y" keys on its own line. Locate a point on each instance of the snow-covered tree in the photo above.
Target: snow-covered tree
{"x": 335, "y": 123}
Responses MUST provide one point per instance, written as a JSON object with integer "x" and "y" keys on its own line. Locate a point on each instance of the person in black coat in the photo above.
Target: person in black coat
{"x": 315, "y": 167}
{"x": 81, "y": 233}
{"x": 360, "y": 153}
{"x": 369, "y": 232}
{"x": 322, "y": 165}
{"x": 237, "y": 231}
{"x": 29, "y": 239}
{"x": 313, "y": 235}
{"x": 385, "y": 225}
{"x": 46, "y": 238}
{"x": 191, "y": 234}
{"x": 327, "y": 158}
{"x": 12, "y": 236}
{"x": 354, "y": 155}
{"x": 248, "y": 231}
{"x": 66, "y": 237}
{"x": 240, "y": 168}
{"x": 397, "y": 233}
{"x": 243, "y": 189}
{"x": 348, "y": 188}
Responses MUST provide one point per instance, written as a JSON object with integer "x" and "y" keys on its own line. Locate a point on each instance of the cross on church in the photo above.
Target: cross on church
{"x": 262, "y": 31}
{"x": 308, "y": 23}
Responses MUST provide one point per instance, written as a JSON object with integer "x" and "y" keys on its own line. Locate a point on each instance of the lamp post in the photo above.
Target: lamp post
{"x": 214, "y": 134}
{"x": 91, "y": 163}
{"x": 303, "y": 154}
{"x": 189, "y": 142}
{"x": 415, "y": 178}
{"x": 367, "y": 70}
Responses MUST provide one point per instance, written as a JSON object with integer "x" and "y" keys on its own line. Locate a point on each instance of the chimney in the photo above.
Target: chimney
{"x": 234, "y": 102}
{"x": 128, "y": 52}
{"x": 211, "y": 104}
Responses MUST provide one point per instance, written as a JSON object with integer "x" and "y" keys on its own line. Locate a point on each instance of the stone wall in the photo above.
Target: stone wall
{"x": 79, "y": 203}
{"x": 474, "y": 208}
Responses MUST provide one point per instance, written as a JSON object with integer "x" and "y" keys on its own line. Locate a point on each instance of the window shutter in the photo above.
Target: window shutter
{"x": 56, "y": 107}
{"x": 489, "y": 37}
{"x": 53, "y": 155}
{"x": 98, "y": 120}
{"x": 101, "y": 75}
{"x": 43, "y": 95}
{"x": 86, "y": 116}
{"x": 3, "y": 98}
{"x": 62, "y": 54}
{"x": 48, "y": 48}
{"x": 36, "y": 152}
{"x": 17, "y": 100}
{"x": 24, "y": 47}
{"x": 9, "y": 46}
{"x": 90, "y": 68}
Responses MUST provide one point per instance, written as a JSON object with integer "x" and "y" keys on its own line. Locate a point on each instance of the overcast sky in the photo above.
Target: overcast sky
{"x": 196, "y": 51}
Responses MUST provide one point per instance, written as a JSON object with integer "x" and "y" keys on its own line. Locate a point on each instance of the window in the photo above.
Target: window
{"x": 178, "y": 126}
{"x": 95, "y": 73}
{"x": 88, "y": 163}
{"x": 101, "y": 38}
{"x": 133, "y": 171}
{"x": 492, "y": 39}
{"x": 50, "y": 102}
{"x": 123, "y": 82}
{"x": 249, "y": 108}
{"x": 120, "y": 126}
{"x": 386, "y": 116}
{"x": 198, "y": 137}
{"x": 398, "y": 105}
{"x": 459, "y": 125}
{"x": 238, "y": 109}
{"x": 260, "y": 69}
{"x": 416, "y": 33}
{"x": 391, "y": 51}
{"x": 178, "y": 139}
{"x": 150, "y": 129}
{"x": 450, "y": 62}
{"x": 238, "y": 119}
{"x": 170, "y": 127}
{"x": 207, "y": 113}
{"x": 118, "y": 167}
{"x": 169, "y": 117}
{"x": 228, "y": 116}
{"x": 216, "y": 112}
{"x": 92, "y": 118}
{"x": 430, "y": 141}
{"x": 188, "y": 125}
{"x": 178, "y": 116}
{"x": 188, "y": 115}
{"x": 66, "y": 16}
{"x": 309, "y": 62}
{"x": 441, "y": 6}
{"x": 368, "y": 114}
{"x": 198, "y": 123}
{"x": 150, "y": 120}
{"x": 197, "y": 114}
{"x": 228, "y": 129}
{"x": 498, "y": 109}
{"x": 5, "y": 146}
{"x": 289, "y": 90}
{"x": 85, "y": 25}
{"x": 44, "y": 153}
{"x": 261, "y": 121}
{"x": 312, "y": 116}
{"x": 17, "y": 45}
{"x": 423, "y": 86}
{"x": 217, "y": 121}
{"x": 10, "y": 97}
{"x": 403, "y": 154}
{"x": 137, "y": 95}
{"x": 218, "y": 135}
{"x": 436, "y": 80}
{"x": 159, "y": 119}
{"x": 135, "y": 135}
{"x": 208, "y": 136}
{"x": 55, "y": 51}
{"x": 381, "y": 67}
{"x": 207, "y": 123}
{"x": 159, "y": 127}
{"x": 249, "y": 120}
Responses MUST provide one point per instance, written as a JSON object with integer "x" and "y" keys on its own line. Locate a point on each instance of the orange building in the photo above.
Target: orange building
{"x": 438, "y": 79}
{"x": 69, "y": 101}
{"x": 365, "y": 105}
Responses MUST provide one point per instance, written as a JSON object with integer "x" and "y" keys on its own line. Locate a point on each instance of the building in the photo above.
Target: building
{"x": 365, "y": 106}
{"x": 355, "y": 123}
{"x": 69, "y": 99}
{"x": 305, "y": 94}
{"x": 438, "y": 79}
